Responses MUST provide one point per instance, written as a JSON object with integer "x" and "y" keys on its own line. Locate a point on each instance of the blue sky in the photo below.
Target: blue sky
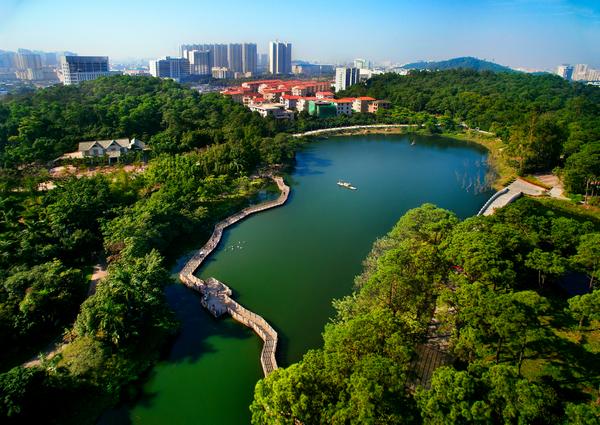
{"x": 527, "y": 33}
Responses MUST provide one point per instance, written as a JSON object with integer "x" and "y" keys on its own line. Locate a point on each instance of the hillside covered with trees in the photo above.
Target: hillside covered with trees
{"x": 521, "y": 352}
{"x": 204, "y": 150}
{"x": 467, "y": 62}
{"x": 543, "y": 120}
{"x": 44, "y": 125}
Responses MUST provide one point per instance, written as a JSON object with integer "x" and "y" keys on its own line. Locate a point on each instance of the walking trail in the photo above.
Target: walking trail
{"x": 216, "y": 296}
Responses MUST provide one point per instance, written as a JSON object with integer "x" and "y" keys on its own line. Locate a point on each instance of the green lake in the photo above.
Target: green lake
{"x": 287, "y": 264}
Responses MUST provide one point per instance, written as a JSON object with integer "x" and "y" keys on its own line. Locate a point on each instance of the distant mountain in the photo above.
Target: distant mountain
{"x": 466, "y": 62}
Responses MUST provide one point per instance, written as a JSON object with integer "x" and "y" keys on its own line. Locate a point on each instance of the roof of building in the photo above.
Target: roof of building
{"x": 86, "y": 146}
{"x": 232, "y": 92}
{"x": 268, "y": 106}
{"x": 105, "y": 144}
{"x": 290, "y": 97}
{"x": 365, "y": 98}
{"x": 325, "y": 93}
{"x": 343, "y": 100}
{"x": 283, "y": 90}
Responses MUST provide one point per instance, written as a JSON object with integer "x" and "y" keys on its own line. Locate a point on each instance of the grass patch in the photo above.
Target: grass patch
{"x": 534, "y": 180}
{"x": 572, "y": 209}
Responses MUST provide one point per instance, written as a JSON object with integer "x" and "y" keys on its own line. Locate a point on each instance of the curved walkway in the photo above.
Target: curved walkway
{"x": 216, "y": 296}
{"x": 353, "y": 127}
{"x": 509, "y": 194}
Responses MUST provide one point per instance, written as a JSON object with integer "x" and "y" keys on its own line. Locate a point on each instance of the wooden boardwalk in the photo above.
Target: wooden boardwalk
{"x": 431, "y": 354}
{"x": 216, "y": 296}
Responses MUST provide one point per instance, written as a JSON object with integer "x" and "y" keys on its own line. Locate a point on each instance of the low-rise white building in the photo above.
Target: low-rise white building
{"x": 343, "y": 106}
{"x": 302, "y": 103}
{"x": 361, "y": 104}
{"x": 222, "y": 72}
{"x": 289, "y": 101}
{"x": 111, "y": 148}
{"x": 275, "y": 110}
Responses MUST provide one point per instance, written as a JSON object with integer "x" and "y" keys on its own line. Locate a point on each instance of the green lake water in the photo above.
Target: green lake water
{"x": 287, "y": 264}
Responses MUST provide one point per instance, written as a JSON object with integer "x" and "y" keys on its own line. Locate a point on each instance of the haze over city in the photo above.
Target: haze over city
{"x": 519, "y": 33}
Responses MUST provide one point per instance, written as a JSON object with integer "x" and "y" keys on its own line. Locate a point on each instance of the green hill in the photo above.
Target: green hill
{"x": 457, "y": 63}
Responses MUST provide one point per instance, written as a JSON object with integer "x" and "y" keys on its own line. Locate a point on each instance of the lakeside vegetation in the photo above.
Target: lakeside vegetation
{"x": 138, "y": 221}
{"x": 543, "y": 120}
{"x": 204, "y": 149}
{"x": 522, "y": 352}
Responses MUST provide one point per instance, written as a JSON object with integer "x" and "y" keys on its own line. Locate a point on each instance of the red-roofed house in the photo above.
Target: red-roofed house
{"x": 344, "y": 106}
{"x": 361, "y": 104}
{"x": 235, "y": 94}
{"x": 289, "y": 101}
{"x": 274, "y": 94}
{"x": 324, "y": 95}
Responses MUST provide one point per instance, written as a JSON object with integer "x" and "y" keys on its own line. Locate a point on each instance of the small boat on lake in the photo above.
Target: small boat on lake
{"x": 347, "y": 185}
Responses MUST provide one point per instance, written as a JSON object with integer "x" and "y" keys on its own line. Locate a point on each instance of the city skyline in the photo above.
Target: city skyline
{"x": 517, "y": 33}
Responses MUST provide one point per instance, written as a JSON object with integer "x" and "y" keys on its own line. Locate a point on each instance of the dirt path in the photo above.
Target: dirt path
{"x": 56, "y": 347}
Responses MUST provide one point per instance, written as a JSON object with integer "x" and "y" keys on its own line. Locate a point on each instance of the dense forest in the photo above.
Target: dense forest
{"x": 46, "y": 124}
{"x": 204, "y": 150}
{"x": 467, "y": 62}
{"x": 521, "y": 352}
{"x": 544, "y": 121}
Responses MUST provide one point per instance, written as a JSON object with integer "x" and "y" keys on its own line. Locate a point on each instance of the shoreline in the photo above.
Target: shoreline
{"x": 216, "y": 296}
{"x": 502, "y": 173}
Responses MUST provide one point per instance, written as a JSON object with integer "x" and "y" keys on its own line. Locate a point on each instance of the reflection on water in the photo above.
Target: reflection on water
{"x": 287, "y": 264}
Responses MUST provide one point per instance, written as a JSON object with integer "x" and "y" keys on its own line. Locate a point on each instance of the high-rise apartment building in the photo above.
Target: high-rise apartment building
{"x": 249, "y": 58}
{"x": 346, "y": 77}
{"x": 49, "y": 59}
{"x": 565, "y": 71}
{"x": 76, "y": 69}
{"x": 263, "y": 60}
{"x": 362, "y": 63}
{"x": 28, "y": 61}
{"x": 234, "y": 57}
{"x": 579, "y": 72}
{"x": 7, "y": 60}
{"x": 582, "y": 72}
{"x": 168, "y": 67}
{"x": 280, "y": 57}
{"x": 220, "y": 56}
{"x": 201, "y": 62}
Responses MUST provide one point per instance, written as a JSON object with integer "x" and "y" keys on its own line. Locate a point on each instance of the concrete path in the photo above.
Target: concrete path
{"x": 509, "y": 194}
{"x": 554, "y": 182}
{"x": 354, "y": 127}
